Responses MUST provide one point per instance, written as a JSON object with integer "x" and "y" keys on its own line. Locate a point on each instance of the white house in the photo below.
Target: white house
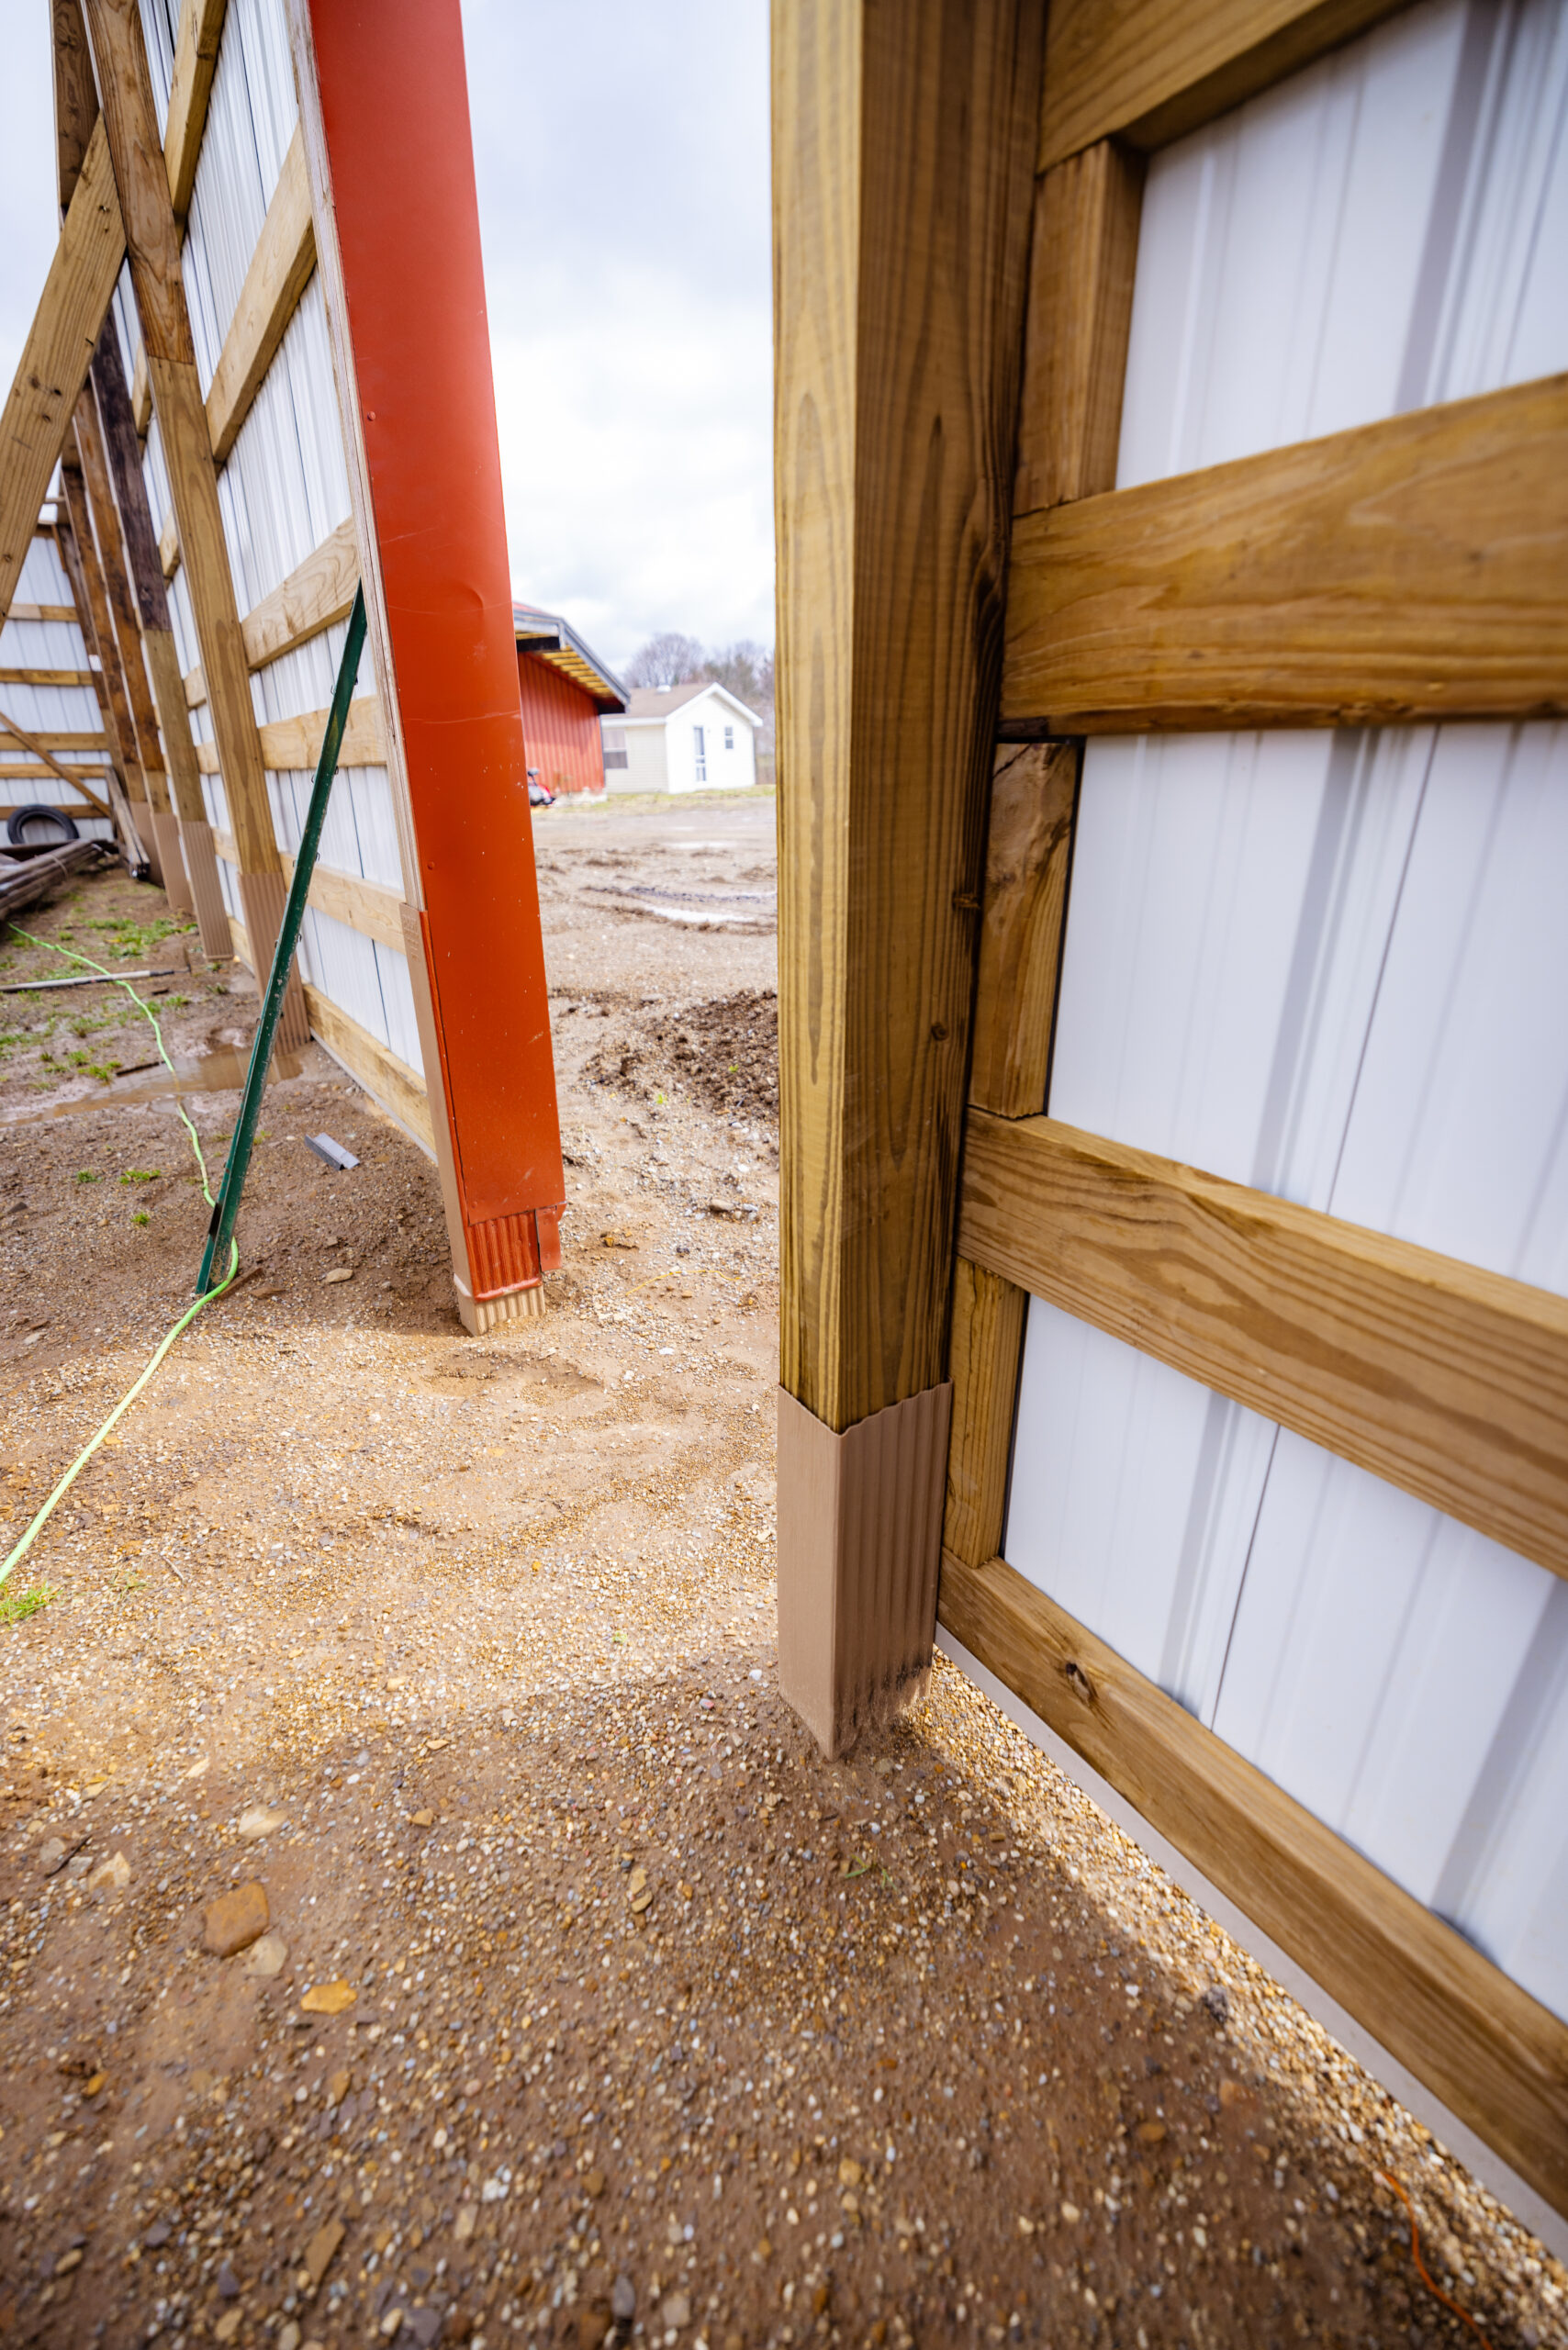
{"x": 690, "y": 738}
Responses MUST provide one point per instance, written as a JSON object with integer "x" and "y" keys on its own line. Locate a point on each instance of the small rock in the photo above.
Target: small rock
{"x": 329, "y": 1998}
{"x": 1151, "y": 2133}
{"x": 289, "y": 2337}
{"x": 236, "y": 1919}
{"x": 228, "y": 2326}
{"x": 425, "y": 2325}
{"x": 68, "y": 2261}
{"x": 199, "y": 1770}
{"x": 850, "y": 2174}
{"x": 228, "y": 2283}
{"x": 322, "y": 2246}
{"x": 1233, "y": 2092}
{"x": 111, "y": 1876}
{"x": 338, "y": 2088}
{"x": 623, "y": 2300}
{"x": 266, "y": 1957}
{"x": 1215, "y": 2002}
{"x": 466, "y": 2220}
{"x": 1071, "y": 2214}
{"x": 259, "y": 1821}
{"x": 422, "y": 1819}
{"x": 52, "y": 1857}
{"x": 676, "y": 2309}
{"x": 94, "y": 2084}
{"x": 157, "y": 2236}
{"x": 392, "y": 2322}
{"x": 594, "y": 2183}
{"x": 346, "y": 1273}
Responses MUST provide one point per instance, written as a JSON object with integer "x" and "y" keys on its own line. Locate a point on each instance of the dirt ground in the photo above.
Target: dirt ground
{"x": 591, "y": 2003}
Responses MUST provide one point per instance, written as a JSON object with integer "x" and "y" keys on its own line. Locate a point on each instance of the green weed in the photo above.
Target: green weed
{"x": 16, "y": 1606}
{"x": 141, "y": 1175}
{"x": 86, "y": 1175}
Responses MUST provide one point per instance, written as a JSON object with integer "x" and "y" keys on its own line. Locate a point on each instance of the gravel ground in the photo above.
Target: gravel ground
{"x": 574, "y": 1997}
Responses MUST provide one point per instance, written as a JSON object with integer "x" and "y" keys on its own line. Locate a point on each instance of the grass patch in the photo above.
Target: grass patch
{"x": 16, "y": 1606}
{"x": 85, "y": 1175}
{"x": 141, "y": 1175}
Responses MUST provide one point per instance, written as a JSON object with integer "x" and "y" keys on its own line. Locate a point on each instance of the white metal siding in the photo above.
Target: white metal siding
{"x": 1333, "y": 966}
{"x": 43, "y": 710}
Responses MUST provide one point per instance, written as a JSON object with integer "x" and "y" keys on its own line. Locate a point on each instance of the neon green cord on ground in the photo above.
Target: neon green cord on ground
{"x": 64, "y": 1487}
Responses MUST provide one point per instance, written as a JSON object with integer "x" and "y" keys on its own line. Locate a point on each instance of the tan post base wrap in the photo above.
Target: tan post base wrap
{"x": 479, "y": 1315}
{"x": 859, "y": 1547}
{"x": 171, "y": 865}
{"x": 207, "y": 890}
{"x": 262, "y": 897}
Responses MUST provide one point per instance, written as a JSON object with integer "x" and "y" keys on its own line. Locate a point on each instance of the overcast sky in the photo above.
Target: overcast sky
{"x": 622, "y": 153}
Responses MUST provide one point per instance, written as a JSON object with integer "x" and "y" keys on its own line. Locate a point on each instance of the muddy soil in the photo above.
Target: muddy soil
{"x": 577, "y": 1998}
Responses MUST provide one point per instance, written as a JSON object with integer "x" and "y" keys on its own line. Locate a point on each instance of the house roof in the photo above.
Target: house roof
{"x": 554, "y": 640}
{"x": 652, "y": 704}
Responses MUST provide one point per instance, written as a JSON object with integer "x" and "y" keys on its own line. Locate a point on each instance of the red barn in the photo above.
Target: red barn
{"x": 565, "y": 690}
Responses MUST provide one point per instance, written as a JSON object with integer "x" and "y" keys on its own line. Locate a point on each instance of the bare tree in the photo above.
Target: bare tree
{"x": 746, "y": 669}
{"x": 665, "y": 660}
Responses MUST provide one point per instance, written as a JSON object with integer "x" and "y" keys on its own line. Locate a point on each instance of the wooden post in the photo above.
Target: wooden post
{"x": 152, "y": 243}
{"x": 190, "y": 855}
{"x": 123, "y": 619}
{"x": 93, "y": 614}
{"x": 903, "y": 142}
{"x": 84, "y": 588}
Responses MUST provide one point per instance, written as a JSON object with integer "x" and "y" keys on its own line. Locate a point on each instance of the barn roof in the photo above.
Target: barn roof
{"x": 550, "y": 638}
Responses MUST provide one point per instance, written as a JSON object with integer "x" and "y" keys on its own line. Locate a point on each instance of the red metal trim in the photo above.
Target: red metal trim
{"x": 394, "y": 111}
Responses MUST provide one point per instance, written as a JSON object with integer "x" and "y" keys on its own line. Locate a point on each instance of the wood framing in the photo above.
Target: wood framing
{"x": 1148, "y": 70}
{"x": 80, "y": 557}
{"x": 53, "y": 364}
{"x": 141, "y": 398}
{"x": 45, "y": 763}
{"x": 1445, "y": 1380}
{"x": 279, "y": 270}
{"x": 123, "y": 612}
{"x": 1082, "y": 258}
{"x": 153, "y": 244}
{"x": 317, "y": 593}
{"x": 293, "y": 742}
{"x": 195, "y": 61}
{"x": 364, "y": 906}
{"x": 386, "y": 1078}
{"x": 1497, "y": 2056}
{"x": 1412, "y": 569}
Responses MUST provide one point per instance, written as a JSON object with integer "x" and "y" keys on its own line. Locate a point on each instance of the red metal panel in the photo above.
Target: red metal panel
{"x": 394, "y": 109}
{"x": 560, "y": 727}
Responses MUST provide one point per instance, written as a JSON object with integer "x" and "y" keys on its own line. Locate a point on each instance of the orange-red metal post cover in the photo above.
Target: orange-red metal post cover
{"x": 394, "y": 100}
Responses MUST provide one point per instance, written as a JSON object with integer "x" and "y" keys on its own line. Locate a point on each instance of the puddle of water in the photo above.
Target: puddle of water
{"x": 206, "y": 1073}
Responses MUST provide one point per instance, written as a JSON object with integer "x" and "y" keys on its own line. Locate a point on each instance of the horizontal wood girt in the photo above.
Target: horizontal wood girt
{"x": 1149, "y": 71}
{"x": 365, "y": 906}
{"x": 1412, "y": 569}
{"x": 1448, "y": 1382}
{"x": 195, "y": 61}
{"x": 280, "y": 269}
{"x": 290, "y": 743}
{"x": 1493, "y": 2053}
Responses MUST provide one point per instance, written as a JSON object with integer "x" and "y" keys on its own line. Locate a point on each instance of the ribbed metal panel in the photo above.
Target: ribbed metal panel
{"x": 44, "y": 709}
{"x": 503, "y": 1254}
{"x": 1334, "y": 967}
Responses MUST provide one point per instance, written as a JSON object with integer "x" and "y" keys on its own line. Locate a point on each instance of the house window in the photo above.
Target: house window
{"x": 729, "y": 738}
{"x": 699, "y": 746}
{"x": 615, "y": 747}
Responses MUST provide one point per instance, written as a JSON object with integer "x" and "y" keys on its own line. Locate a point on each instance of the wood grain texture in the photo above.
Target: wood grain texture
{"x": 1447, "y": 1381}
{"x": 1412, "y": 569}
{"x": 185, "y": 774}
{"x": 902, "y": 150}
{"x": 1083, "y": 260}
{"x": 48, "y": 678}
{"x": 1150, "y": 70}
{"x": 984, "y": 1351}
{"x": 294, "y": 742}
{"x": 1028, "y": 853}
{"x": 45, "y": 763}
{"x": 124, "y": 612}
{"x": 280, "y": 268}
{"x": 195, "y": 61}
{"x": 80, "y": 560}
{"x": 153, "y": 244}
{"x": 55, "y": 357}
{"x": 384, "y": 1078}
{"x": 318, "y": 593}
{"x": 54, "y": 738}
{"x": 75, "y": 95}
{"x": 348, "y": 897}
{"x": 169, "y": 545}
{"x": 1491, "y": 2053}
{"x": 140, "y": 394}
{"x": 122, "y": 452}
{"x": 42, "y": 612}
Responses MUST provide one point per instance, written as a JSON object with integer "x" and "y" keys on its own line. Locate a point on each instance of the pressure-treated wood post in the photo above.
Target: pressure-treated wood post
{"x": 191, "y": 853}
{"x": 93, "y": 617}
{"x": 153, "y": 795}
{"x": 152, "y": 243}
{"x": 902, "y": 152}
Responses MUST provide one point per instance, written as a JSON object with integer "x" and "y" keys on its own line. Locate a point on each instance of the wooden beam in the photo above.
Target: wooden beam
{"x": 384, "y": 1078}
{"x": 984, "y": 1353}
{"x": 1412, "y": 569}
{"x": 1033, "y": 795}
{"x": 80, "y": 779}
{"x": 44, "y": 763}
{"x": 290, "y": 743}
{"x": 361, "y": 905}
{"x": 141, "y": 395}
{"x": 53, "y": 364}
{"x": 279, "y": 270}
{"x": 48, "y": 676}
{"x": 169, "y": 545}
{"x": 318, "y": 593}
{"x": 42, "y": 612}
{"x": 55, "y": 738}
{"x": 195, "y": 61}
{"x": 75, "y": 95}
{"x": 1149, "y": 71}
{"x": 80, "y": 557}
{"x": 902, "y": 224}
{"x": 124, "y": 612}
{"x": 1447, "y": 1381}
{"x": 1493, "y": 2053}
{"x": 152, "y": 241}
{"x": 1083, "y": 260}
